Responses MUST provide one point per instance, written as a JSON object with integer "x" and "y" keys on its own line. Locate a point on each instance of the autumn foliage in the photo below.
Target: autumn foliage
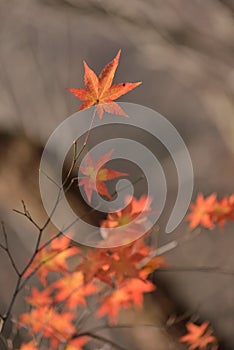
{"x": 199, "y": 337}
{"x": 104, "y": 281}
{"x": 117, "y": 279}
{"x": 210, "y": 211}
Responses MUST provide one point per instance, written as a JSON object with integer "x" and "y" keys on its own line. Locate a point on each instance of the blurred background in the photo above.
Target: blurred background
{"x": 183, "y": 52}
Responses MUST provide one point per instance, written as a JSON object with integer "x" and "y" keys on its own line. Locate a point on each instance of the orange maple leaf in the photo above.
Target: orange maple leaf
{"x": 95, "y": 176}
{"x": 201, "y": 211}
{"x": 99, "y": 91}
{"x": 118, "y": 264}
{"x": 96, "y": 265}
{"x": 49, "y": 324}
{"x": 76, "y": 344}
{"x": 52, "y": 258}
{"x": 199, "y": 337}
{"x": 125, "y": 261}
{"x": 209, "y": 211}
{"x": 123, "y": 265}
{"x": 29, "y": 346}
{"x": 223, "y": 210}
{"x": 152, "y": 265}
{"x": 39, "y": 298}
{"x": 130, "y": 294}
{"x": 71, "y": 288}
{"x": 128, "y": 216}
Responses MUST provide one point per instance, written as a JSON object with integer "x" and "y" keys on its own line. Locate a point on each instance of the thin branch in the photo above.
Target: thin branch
{"x": 48, "y": 177}
{"x": 70, "y": 184}
{"x": 126, "y": 325}
{"x": 90, "y": 127}
{"x": 7, "y": 250}
{"x": 210, "y": 269}
{"x": 25, "y": 281}
{"x": 75, "y": 158}
{"x": 52, "y": 212}
{"x": 75, "y": 155}
{"x": 11, "y": 260}
{"x": 4, "y": 340}
{"x": 2, "y": 246}
{"x": 19, "y": 286}
{"x": 4, "y": 234}
{"x": 8, "y": 312}
{"x": 27, "y": 214}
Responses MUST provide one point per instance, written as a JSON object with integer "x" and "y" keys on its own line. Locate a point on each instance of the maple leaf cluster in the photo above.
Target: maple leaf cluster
{"x": 117, "y": 279}
{"x": 52, "y": 258}
{"x": 125, "y": 225}
{"x": 210, "y": 211}
{"x": 199, "y": 337}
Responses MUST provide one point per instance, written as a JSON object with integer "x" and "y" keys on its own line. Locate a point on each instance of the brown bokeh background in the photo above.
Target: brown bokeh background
{"x": 183, "y": 51}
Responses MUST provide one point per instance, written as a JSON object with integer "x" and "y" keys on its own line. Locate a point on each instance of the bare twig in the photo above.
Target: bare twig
{"x": 6, "y": 249}
{"x": 125, "y": 326}
{"x": 75, "y": 155}
{"x": 27, "y": 214}
{"x": 15, "y": 293}
{"x": 209, "y": 269}
{"x": 74, "y": 160}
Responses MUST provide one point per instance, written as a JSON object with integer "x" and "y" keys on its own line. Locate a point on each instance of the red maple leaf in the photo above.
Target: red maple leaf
{"x": 95, "y": 175}
{"x": 199, "y": 337}
{"x": 99, "y": 91}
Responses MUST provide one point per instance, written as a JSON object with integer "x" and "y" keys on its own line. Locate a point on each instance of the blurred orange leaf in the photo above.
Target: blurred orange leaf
{"x": 39, "y": 298}
{"x": 52, "y": 258}
{"x": 29, "y": 346}
{"x": 50, "y": 324}
{"x": 71, "y": 288}
{"x": 209, "y": 211}
{"x": 76, "y": 344}
{"x": 128, "y": 295}
{"x": 95, "y": 176}
{"x": 200, "y": 211}
{"x": 124, "y": 225}
{"x": 152, "y": 265}
{"x": 199, "y": 337}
